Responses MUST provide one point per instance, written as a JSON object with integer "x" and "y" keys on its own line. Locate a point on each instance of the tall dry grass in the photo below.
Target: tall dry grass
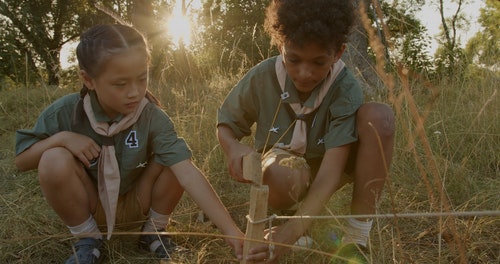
{"x": 446, "y": 160}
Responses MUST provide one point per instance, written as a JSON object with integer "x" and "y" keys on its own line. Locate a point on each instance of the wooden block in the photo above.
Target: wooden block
{"x": 257, "y": 212}
{"x": 252, "y": 168}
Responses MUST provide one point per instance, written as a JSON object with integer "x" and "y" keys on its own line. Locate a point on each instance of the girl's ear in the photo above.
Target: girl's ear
{"x": 87, "y": 80}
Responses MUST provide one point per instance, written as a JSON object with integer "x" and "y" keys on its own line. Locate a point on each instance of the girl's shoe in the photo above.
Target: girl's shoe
{"x": 86, "y": 251}
{"x": 162, "y": 245}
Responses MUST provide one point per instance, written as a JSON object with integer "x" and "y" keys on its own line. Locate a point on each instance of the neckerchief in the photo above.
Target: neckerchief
{"x": 298, "y": 143}
{"x": 108, "y": 179}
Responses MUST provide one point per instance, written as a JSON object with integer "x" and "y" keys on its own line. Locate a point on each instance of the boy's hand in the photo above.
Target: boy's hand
{"x": 235, "y": 160}
{"x": 280, "y": 235}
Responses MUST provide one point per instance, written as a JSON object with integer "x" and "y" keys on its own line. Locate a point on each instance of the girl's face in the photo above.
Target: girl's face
{"x": 308, "y": 65}
{"x": 122, "y": 82}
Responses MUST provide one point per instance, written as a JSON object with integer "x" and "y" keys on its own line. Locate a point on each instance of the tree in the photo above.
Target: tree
{"x": 450, "y": 54}
{"x": 408, "y": 36}
{"x": 484, "y": 47}
{"x": 35, "y": 31}
{"x": 357, "y": 57}
{"x": 16, "y": 57}
{"x": 399, "y": 30}
{"x": 233, "y": 35}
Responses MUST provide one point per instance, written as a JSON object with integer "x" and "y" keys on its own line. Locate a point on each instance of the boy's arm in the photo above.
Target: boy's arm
{"x": 327, "y": 181}
{"x": 234, "y": 151}
{"x": 82, "y": 147}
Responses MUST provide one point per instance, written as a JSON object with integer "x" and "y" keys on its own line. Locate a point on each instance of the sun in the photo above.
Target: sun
{"x": 179, "y": 26}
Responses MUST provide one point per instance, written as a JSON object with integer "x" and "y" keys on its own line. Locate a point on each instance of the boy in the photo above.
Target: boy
{"x": 312, "y": 127}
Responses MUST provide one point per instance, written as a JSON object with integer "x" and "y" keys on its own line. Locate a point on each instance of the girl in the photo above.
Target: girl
{"x": 311, "y": 123}
{"x": 111, "y": 155}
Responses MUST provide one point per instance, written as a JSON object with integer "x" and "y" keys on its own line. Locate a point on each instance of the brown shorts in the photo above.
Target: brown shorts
{"x": 129, "y": 213}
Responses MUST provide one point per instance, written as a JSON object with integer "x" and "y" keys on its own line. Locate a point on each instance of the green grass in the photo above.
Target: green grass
{"x": 461, "y": 129}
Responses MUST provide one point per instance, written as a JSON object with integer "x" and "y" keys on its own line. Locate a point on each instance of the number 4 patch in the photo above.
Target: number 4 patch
{"x": 131, "y": 141}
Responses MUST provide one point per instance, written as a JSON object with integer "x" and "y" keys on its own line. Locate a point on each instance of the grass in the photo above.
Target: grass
{"x": 460, "y": 127}
{"x": 446, "y": 159}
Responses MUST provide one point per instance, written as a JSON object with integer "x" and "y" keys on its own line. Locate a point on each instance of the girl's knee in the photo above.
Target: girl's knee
{"x": 56, "y": 165}
{"x": 374, "y": 115}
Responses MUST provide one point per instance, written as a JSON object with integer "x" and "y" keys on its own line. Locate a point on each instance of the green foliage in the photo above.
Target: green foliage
{"x": 409, "y": 38}
{"x": 484, "y": 47}
{"x": 233, "y": 36}
{"x": 450, "y": 57}
{"x": 33, "y": 34}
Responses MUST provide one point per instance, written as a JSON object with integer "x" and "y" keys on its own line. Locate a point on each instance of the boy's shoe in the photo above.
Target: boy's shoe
{"x": 304, "y": 241}
{"x": 351, "y": 254}
{"x": 162, "y": 245}
{"x": 86, "y": 251}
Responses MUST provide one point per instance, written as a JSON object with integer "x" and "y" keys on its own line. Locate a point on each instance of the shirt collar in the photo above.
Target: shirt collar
{"x": 99, "y": 113}
{"x": 294, "y": 95}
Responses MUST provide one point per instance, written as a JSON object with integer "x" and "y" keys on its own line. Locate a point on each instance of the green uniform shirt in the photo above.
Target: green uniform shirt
{"x": 153, "y": 135}
{"x": 256, "y": 99}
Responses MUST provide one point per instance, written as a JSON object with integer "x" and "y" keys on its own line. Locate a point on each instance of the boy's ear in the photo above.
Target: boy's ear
{"x": 86, "y": 79}
{"x": 340, "y": 52}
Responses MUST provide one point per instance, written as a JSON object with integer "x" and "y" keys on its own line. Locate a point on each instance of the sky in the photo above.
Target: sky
{"x": 432, "y": 21}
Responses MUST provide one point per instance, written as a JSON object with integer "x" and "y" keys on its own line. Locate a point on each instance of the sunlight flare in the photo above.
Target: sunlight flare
{"x": 179, "y": 26}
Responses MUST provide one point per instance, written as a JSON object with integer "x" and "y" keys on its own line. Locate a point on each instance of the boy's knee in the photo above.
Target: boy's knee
{"x": 374, "y": 115}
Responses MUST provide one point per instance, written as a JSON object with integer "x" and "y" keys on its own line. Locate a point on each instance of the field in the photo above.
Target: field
{"x": 444, "y": 180}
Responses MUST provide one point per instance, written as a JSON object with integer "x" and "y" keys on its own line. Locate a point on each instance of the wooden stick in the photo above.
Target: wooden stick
{"x": 252, "y": 170}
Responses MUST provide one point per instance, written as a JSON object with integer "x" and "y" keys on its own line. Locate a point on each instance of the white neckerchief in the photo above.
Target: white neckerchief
{"x": 298, "y": 143}
{"x": 108, "y": 183}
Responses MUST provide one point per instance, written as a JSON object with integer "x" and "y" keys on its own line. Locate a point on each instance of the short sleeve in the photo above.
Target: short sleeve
{"x": 238, "y": 111}
{"x": 342, "y": 125}
{"x": 55, "y": 118}
{"x": 167, "y": 147}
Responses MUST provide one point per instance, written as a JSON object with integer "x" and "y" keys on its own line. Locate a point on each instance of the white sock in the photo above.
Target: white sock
{"x": 86, "y": 229}
{"x": 155, "y": 222}
{"x": 357, "y": 232}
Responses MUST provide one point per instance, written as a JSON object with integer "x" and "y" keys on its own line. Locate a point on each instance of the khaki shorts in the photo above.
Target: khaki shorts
{"x": 129, "y": 213}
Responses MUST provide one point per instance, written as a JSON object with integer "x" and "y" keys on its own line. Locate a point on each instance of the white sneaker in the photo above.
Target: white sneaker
{"x": 304, "y": 242}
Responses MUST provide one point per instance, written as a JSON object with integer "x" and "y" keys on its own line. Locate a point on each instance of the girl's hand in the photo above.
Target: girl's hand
{"x": 82, "y": 147}
{"x": 237, "y": 245}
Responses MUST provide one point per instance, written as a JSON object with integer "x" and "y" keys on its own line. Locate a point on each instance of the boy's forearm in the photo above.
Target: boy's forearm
{"x": 226, "y": 138}
{"x": 326, "y": 182}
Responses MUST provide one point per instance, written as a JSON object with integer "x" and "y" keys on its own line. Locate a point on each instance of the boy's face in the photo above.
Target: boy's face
{"x": 122, "y": 82}
{"x": 308, "y": 65}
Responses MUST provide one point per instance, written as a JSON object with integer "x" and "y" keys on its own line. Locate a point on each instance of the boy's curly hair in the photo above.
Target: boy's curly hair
{"x": 325, "y": 22}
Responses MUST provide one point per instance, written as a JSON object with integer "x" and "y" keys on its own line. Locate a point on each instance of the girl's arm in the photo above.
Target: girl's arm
{"x": 201, "y": 191}
{"x": 82, "y": 147}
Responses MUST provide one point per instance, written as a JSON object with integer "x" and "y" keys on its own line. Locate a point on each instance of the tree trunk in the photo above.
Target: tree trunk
{"x": 357, "y": 59}
{"x": 142, "y": 16}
